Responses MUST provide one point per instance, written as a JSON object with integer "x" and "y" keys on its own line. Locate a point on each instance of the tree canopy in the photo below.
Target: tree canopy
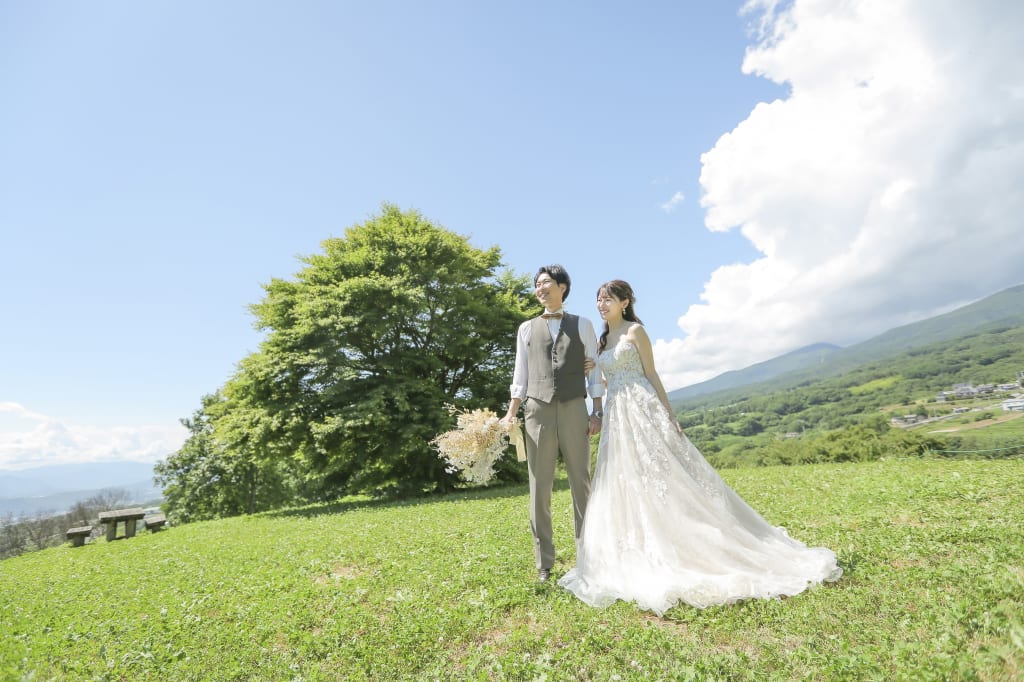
{"x": 364, "y": 351}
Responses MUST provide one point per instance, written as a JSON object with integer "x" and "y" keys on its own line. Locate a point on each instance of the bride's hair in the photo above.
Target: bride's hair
{"x": 621, "y": 290}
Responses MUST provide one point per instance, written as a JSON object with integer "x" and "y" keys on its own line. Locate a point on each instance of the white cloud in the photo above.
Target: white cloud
{"x": 887, "y": 187}
{"x": 671, "y": 204}
{"x": 31, "y": 439}
{"x": 14, "y": 410}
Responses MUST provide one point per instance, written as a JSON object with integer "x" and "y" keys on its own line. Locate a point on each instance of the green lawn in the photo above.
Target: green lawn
{"x": 445, "y": 589}
{"x": 1001, "y": 436}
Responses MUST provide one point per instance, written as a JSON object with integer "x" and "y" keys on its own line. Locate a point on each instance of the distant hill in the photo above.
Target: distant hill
{"x": 55, "y": 488}
{"x": 808, "y": 356}
{"x": 1003, "y": 309}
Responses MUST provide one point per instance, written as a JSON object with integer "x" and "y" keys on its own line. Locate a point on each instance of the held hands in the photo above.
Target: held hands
{"x": 672, "y": 418}
{"x": 594, "y": 422}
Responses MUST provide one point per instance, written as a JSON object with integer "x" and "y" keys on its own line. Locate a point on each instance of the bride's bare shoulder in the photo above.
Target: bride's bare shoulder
{"x": 636, "y": 331}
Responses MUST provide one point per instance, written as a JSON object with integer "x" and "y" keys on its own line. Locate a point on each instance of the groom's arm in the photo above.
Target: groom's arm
{"x": 520, "y": 373}
{"x": 595, "y": 386}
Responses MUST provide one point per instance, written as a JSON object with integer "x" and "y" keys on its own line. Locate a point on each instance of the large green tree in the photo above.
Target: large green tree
{"x": 207, "y": 479}
{"x": 366, "y": 347}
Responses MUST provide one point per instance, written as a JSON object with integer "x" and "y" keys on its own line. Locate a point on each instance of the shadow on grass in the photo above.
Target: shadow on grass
{"x": 496, "y": 491}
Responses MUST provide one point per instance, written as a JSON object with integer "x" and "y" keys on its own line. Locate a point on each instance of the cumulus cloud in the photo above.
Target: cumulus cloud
{"x": 16, "y": 411}
{"x": 671, "y": 204}
{"x": 30, "y": 439}
{"x": 887, "y": 187}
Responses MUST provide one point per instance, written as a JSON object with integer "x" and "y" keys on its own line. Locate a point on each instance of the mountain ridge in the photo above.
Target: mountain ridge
{"x": 1003, "y": 308}
{"x": 57, "y": 487}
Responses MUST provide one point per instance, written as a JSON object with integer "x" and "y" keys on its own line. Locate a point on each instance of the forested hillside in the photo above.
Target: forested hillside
{"x": 815, "y": 355}
{"x": 847, "y": 417}
{"x": 1001, "y": 310}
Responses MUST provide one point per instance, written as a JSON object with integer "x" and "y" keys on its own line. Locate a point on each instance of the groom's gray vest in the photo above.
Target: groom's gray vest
{"x": 556, "y": 367}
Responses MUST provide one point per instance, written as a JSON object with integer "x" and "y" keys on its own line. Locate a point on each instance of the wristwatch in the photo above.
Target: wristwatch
{"x": 598, "y": 414}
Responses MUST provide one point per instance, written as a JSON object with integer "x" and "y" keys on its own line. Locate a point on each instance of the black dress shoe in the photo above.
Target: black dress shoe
{"x": 543, "y": 574}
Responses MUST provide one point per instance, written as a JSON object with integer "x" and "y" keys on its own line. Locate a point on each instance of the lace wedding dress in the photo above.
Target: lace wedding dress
{"x": 662, "y": 526}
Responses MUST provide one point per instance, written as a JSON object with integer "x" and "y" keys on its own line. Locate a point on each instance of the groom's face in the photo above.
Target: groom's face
{"x": 548, "y": 291}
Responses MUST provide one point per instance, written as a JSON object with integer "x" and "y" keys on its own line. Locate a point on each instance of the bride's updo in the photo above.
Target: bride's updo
{"x": 620, "y": 289}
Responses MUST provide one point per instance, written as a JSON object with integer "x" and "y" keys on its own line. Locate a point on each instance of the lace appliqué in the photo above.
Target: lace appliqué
{"x": 627, "y": 382}
{"x": 621, "y": 367}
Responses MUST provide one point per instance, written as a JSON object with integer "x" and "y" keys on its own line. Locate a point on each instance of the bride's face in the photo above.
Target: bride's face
{"x": 609, "y": 307}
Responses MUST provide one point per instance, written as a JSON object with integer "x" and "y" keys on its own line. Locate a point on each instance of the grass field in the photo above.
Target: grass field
{"x": 444, "y": 588}
{"x": 1001, "y": 425}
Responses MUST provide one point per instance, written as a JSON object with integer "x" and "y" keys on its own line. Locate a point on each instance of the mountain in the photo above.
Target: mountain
{"x": 808, "y": 356}
{"x": 55, "y": 488}
{"x": 1004, "y": 309}
{"x": 55, "y": 478}
{"x": 138, "y": 493}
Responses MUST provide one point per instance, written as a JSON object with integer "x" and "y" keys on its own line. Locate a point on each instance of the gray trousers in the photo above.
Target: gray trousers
{"x": 550, "y": 428}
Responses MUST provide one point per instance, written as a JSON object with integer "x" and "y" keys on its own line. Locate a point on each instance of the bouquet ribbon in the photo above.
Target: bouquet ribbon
{"x": 515, "y": 436}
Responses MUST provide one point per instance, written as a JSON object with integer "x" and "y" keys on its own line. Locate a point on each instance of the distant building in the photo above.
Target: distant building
{"x": 1014, "y": 404}
{"x": 964, "y": 391}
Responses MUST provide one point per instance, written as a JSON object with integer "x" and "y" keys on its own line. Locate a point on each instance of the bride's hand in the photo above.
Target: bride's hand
{"x": 589, "y": 364}
{"x": 673, "y": 419}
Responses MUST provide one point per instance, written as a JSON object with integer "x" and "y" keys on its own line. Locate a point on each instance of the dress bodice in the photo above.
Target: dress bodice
{"x": 621, "y": 364}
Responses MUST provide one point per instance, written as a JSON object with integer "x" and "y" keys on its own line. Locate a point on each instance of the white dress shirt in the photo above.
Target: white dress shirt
{"x": 521, "y": 375}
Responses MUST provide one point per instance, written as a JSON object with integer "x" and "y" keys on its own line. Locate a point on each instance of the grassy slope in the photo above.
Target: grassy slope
{"x": 445, "y": 589}
{"x": 981, "y": 434}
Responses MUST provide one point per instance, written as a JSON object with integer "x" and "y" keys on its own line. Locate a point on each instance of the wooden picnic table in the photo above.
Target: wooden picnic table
{"x": 130, "y": 516}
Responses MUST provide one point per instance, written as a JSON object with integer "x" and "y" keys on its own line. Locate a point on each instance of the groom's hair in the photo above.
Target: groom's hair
{"x": 557, "y": 273}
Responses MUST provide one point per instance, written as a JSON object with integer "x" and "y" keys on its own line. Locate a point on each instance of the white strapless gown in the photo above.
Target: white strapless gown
{"x": 663, "y": 527}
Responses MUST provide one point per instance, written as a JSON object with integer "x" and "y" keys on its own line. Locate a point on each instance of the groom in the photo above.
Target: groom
{"x": 551, "y": 383}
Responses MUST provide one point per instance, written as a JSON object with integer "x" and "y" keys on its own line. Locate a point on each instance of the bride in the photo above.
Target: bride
{"x": 661, "y": 525}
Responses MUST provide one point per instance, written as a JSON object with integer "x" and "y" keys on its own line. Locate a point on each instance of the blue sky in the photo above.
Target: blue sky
{"x": 799, "y": 172}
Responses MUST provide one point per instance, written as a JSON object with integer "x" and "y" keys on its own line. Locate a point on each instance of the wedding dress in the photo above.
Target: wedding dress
{"x": 662, "y": 526}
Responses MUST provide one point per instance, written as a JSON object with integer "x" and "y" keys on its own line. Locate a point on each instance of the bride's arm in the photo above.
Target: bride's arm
{"x": 638, "y": 335}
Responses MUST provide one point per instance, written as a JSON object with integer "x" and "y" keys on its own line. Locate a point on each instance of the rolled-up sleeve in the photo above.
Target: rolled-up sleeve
{"x": 521, "y": 373}
{"x": 595, "y": 386}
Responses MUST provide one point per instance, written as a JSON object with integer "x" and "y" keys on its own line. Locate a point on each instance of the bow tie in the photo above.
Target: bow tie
{"x": 552, "y": 316}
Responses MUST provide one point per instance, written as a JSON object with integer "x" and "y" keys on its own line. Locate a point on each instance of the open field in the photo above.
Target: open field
{"x": 966, "y": 423}
{"x": 444, "y": 588}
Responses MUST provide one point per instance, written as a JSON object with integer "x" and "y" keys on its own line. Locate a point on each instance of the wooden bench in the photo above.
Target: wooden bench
{"x": 154, "y": 522}
{"x": 78, "y": 535}
{"x": 130, "y": 516}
